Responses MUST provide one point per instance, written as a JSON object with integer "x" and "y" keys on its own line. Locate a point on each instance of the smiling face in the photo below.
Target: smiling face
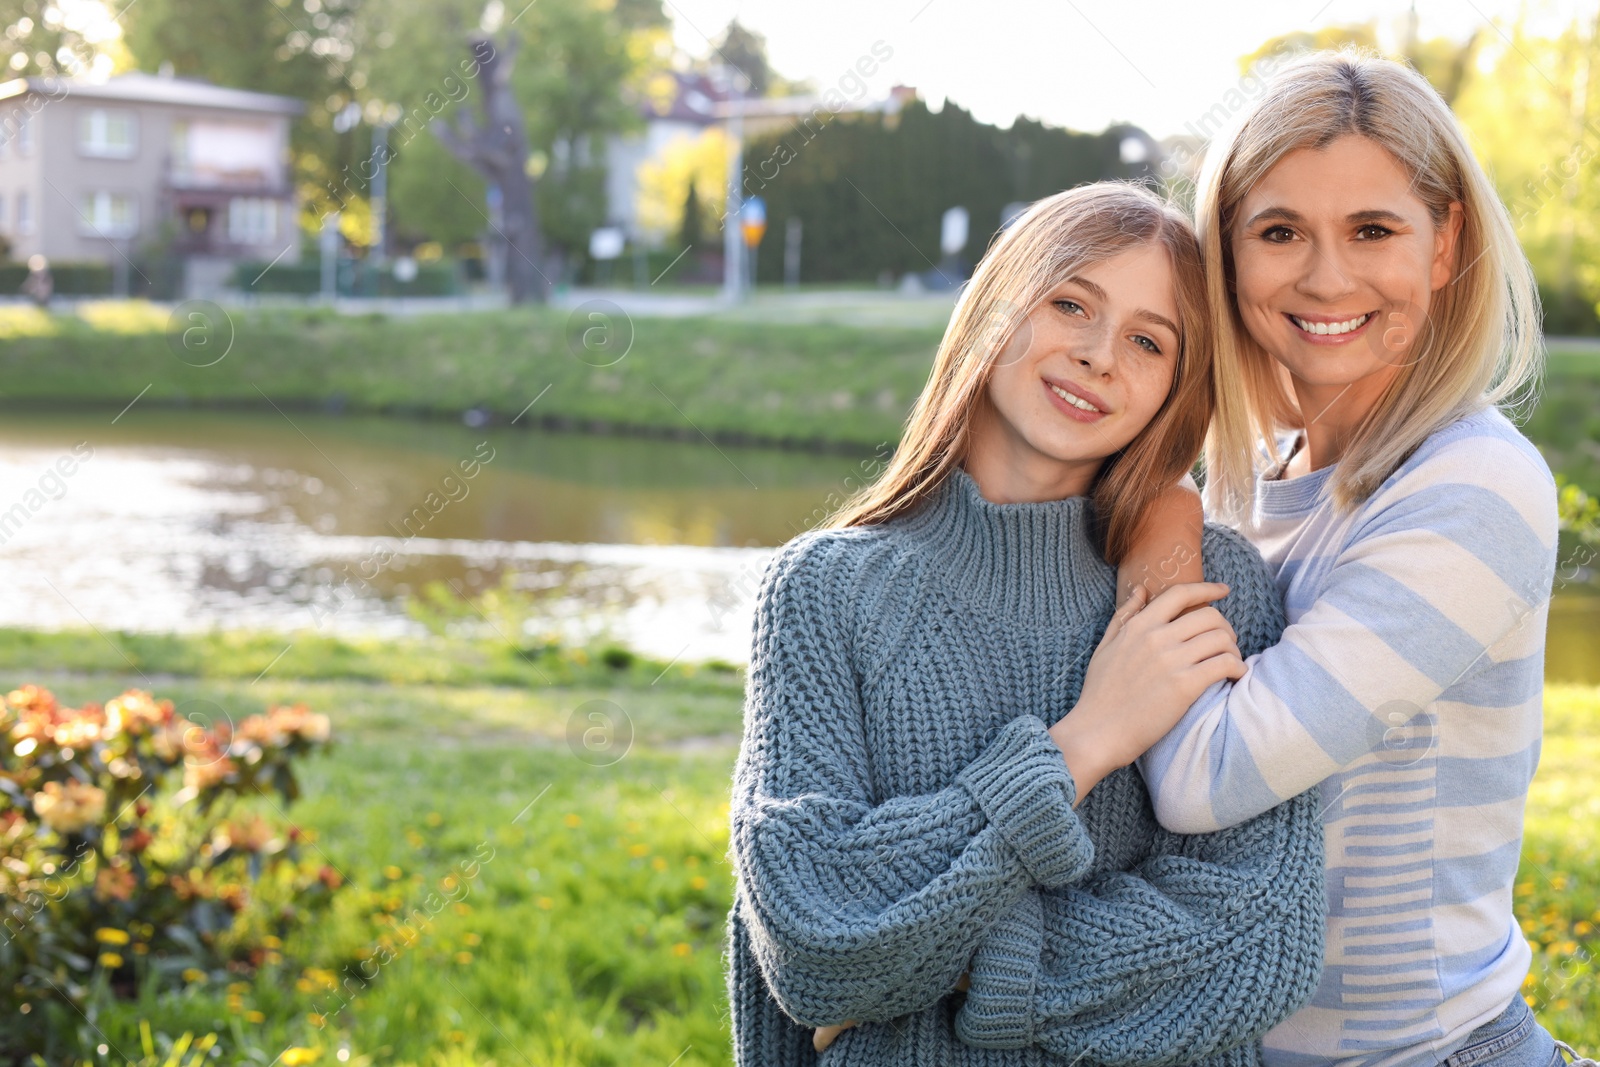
{"x": 1079, "y": 379}
{"x": 1335, "y": 264}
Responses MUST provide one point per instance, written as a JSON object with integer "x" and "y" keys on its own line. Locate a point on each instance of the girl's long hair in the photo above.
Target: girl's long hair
{"x": 1056, "y": 238}
{"x": 1480, "y": 343}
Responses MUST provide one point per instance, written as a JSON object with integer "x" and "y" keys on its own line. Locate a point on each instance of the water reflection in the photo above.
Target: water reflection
{"x": 190, "y": 521}
{"x": 199, "y": 520}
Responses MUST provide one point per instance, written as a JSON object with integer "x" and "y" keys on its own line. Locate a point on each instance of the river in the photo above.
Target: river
{"x": 190, "y": 520}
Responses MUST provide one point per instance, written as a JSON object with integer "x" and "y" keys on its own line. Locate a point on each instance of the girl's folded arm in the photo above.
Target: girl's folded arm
{"x": 861, "y": 910}
{"x": 1208, "y": 943}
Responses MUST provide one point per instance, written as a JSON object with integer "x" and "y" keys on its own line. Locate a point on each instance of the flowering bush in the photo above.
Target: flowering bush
{"x": 130, "y": 841}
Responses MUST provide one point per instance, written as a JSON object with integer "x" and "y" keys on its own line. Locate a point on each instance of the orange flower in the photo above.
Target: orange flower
{"x": 254, "y": 834}
{"x": 68, "y": 808}
{"x": 200, "y": 775}
{"x": 32, "y": 698}
{"x": 135, "y": 710}
{"x": 114, "y": 883}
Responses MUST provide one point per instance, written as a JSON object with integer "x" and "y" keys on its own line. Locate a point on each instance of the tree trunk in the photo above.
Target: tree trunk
{"x": 497, "y": 148}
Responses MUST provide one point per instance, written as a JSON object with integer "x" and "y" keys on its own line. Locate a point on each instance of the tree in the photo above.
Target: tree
{"x": 698, "y": 164}
{"x": 267, "y": 47}
{"x": 576, "y": 79}
{"x": 871, "y": 189}
{"x": 1534, "y": 120}
{"x": 693, "y": 224}
{"x": 746, "y": 50}
{"x": 496, "y": 145}
{"x": 1444, "y": 62}
{"x": 38, "y": 40}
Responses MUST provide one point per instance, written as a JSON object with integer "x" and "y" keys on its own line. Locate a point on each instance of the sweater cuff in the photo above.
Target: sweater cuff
{"x": 998, "y": 1012}
{"x": 1022, "y": 784}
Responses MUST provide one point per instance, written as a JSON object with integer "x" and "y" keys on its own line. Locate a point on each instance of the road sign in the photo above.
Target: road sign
{"x": 753, "y": 220}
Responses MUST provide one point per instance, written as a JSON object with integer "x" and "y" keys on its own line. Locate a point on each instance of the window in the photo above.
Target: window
{"x": 24, "y": 213}
{"x": 252, "y": 220}
{"x": 106, "y": 214}
{"x": 107, "y": 134}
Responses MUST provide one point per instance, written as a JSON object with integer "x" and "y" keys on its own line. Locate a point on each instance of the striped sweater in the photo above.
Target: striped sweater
{"x": 1408, "y": 686}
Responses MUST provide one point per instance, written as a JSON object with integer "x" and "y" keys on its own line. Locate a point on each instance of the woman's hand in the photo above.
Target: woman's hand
{"x": 825, "y": 1035}
{"x": 1153, "y": 662}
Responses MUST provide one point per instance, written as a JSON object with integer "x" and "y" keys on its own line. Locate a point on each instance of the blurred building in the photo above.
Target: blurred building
{"x": 681, "y": 105}
{"x": 91, "y": 172}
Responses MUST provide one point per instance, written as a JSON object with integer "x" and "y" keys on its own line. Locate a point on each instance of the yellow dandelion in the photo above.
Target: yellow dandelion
{"x": 238, "y": 987}
{"x": 659, "y": 863}
{"x": 463, "y": 958}
{"x": 473, "y": 939}
{"x": 681, "y": 949}
{"x": 298, "y": 1057}
{"x": 1583, "y": 928}
{"x": 545, "y": 903}
{"x": 316, "y": 1019}
{"x": 572, "y": 819}
{"x": 458, "y": 1036}
{"x": 110, "y": 960}
{"x": 392, "y": 873}
{"x": 699, "y": 881}
{"x": 691, "y": 861}
{"x": 638, "y": 850}
{"x": 462, "y": 908}
{"x": 433, "y": 818}
{"x": 140, "y": 948}
{"x": 1529, "y": 981}
{"x": 253, "y": 1016}
{"x": 193, "y": 974}
{"x": 107, "y": 935}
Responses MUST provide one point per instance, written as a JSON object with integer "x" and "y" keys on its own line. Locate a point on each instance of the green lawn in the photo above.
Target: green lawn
{"x": 591, "y": 934}
{"x": 798, "y": 383}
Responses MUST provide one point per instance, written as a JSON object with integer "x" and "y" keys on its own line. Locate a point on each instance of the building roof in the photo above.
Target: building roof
{"x": 140, "y": 88}
{"x": 681, "y": 96}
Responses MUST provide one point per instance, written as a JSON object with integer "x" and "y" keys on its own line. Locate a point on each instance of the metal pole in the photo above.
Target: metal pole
{"x": 380, "y": 193}
{"x": 330, "y": 256}
{"x": 791, "y": 252}
{"x": 732, "y": 239}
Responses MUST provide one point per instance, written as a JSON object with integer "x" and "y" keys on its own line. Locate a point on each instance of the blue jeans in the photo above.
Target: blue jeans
{"x": 1511, "y": 1039}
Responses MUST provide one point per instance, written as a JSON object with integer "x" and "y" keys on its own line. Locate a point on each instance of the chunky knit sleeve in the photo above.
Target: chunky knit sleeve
{"x": 1204, "y": 945}
{"x": 856, "y": 909}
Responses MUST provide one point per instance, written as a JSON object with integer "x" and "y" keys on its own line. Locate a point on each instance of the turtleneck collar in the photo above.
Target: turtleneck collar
{"x": 1036, "y": 562}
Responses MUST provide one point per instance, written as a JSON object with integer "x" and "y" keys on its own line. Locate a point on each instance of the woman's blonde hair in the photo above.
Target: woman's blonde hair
{"x": 1056, "y": 238}
{"x": 1480, "y": 343}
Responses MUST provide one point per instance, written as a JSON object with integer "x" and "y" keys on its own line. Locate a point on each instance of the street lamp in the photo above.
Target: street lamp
{"x": 736, "y": 84}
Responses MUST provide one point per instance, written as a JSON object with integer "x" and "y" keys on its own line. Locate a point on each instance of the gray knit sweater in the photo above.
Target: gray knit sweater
{"x": 900, "y": 815}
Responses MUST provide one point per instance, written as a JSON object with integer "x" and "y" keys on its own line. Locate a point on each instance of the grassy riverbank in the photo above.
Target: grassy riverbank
{"x": 593, "y": 935}
{"x": 810, "y": 384}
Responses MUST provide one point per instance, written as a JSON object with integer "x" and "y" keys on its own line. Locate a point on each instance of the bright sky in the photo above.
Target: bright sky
{"x": 1076, "y": 63}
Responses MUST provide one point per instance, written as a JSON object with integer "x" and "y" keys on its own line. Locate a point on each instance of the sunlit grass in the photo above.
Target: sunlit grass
{"x": 25, "y": 320}
{"x": 590, "y": 930}
{"x": 125, "y": 316}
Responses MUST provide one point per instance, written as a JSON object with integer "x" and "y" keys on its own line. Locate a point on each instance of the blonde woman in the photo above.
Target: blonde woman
{"x": 922, "y": 877}
{"x": 1373, "y": 313}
